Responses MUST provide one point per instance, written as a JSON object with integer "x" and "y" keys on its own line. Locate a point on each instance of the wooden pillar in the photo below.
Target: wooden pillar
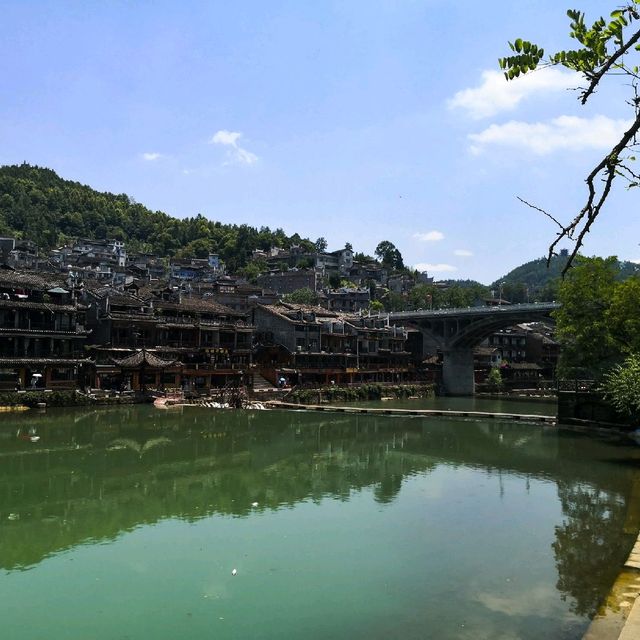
{"x": 135, "y": 381}
{"x": 47, "y": 377}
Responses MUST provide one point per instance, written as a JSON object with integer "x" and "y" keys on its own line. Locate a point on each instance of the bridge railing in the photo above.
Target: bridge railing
{"x": 518, "y": 308}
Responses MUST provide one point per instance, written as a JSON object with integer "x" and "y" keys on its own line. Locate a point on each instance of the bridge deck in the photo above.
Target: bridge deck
{"x": 446, "y": 413}
{"x": 507, "y": 310}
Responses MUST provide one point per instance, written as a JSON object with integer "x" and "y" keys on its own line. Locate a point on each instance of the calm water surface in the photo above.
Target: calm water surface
{"x": 495, "y": 405}
{"x": 127, "y": 523}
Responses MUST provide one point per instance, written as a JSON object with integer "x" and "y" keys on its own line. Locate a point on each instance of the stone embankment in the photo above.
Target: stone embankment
{"x": 442, "y": 413}
{"x": 619, "y": 615}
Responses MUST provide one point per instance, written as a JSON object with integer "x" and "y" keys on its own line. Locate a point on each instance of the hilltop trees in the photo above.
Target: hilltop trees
{"x": 38, "y": 205}
{"x": 389, "y": 255}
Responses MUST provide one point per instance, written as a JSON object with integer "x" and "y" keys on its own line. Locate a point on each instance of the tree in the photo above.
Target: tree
{"x": 376, "y": 306}
{"x": 394, "y": 302}
{"x": 421, "y": 296}
{"x": 362, "y": 257}
{"x": 494, "y": 379}
{"x": 607, "y": 49}
{"x": 387, "y": 253}
{"x": 586, "y": 294}
{"x": 321, "y": 245}
{"x": 348, "y": 246}
{"x": 302, "y": 296}
{"x": 621, "y": 386}
{"x": 622, "y": 315}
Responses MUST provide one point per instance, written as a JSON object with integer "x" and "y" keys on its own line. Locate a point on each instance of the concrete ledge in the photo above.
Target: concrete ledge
{"x": 275, "y": 404}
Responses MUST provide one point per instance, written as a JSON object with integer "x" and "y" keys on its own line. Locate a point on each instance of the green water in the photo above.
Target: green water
{"x": 127, "y": 524}
{"x": 495, "y": 405}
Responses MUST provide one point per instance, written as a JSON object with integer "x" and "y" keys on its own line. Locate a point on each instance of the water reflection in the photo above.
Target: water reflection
{"x": 94, "y": 475}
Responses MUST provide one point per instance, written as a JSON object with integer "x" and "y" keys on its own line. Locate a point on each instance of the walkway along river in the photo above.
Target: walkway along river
{"x": 128, "y": 522}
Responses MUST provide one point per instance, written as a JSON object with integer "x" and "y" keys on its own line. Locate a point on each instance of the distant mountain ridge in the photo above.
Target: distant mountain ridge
{"x": 533, "y": 280}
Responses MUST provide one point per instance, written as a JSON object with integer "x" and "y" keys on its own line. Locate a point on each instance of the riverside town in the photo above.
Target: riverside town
{"x": 310, "y": 331}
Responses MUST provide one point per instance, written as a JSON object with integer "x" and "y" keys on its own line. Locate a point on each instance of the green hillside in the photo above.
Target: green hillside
{"x": 36, "y": 204}
{"x": 534, "y": 281}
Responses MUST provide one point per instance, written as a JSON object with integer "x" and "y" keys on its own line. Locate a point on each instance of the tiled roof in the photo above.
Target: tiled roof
{"x": 27, "y": 280}
{"x": 44, "y": 306}
{"x": 14, "y": 362}
{"x": 197, "y": 304}
{"x": 143, "y": 357}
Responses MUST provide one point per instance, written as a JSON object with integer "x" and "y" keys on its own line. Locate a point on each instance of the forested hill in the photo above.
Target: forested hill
{"x": 534, "y": 281}
{"x": 36, "y": 204}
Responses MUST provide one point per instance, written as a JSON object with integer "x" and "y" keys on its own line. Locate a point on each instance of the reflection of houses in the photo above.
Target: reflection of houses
{"x": 41, "y": 334}
{"x": 209, "y": 344}
{"x": 311, "y": 344}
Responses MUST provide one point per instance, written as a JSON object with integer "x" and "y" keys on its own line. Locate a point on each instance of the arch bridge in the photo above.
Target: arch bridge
{"x": 455, "y": 332}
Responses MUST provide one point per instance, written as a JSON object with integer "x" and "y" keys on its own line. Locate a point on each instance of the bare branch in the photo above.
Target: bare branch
{"x": 606, "y": 168}
{"x": 546, "y": 213}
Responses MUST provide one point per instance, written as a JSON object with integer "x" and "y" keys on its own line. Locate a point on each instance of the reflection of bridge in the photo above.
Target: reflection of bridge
{"x": 455, "y": 332}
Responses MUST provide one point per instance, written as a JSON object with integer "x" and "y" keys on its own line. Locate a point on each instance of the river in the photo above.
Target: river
{"x": 127, "y": 524}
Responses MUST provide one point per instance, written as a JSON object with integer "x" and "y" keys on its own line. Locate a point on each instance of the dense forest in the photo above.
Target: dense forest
{"x": 36, "y": 204}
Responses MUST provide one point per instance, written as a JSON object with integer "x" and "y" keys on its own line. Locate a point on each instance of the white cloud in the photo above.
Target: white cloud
{"x": 429, "y": 236}
{"x": 245, "y": 157}
{"x": 226, "y": 137}
{"x": 434, "y": 268}
{"x": 566, "y": 132}
{"x": 150, "y": 157}
{"x": 465, "y": 253}
{"x": 496, "y": 95}
{"x": 235, "y": 153}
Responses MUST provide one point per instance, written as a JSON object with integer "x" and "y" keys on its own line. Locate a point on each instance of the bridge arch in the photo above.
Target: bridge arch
{"x": 455, "y": 332}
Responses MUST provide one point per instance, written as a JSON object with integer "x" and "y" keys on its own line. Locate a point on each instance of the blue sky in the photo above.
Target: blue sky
{"x": 355, "y": 120}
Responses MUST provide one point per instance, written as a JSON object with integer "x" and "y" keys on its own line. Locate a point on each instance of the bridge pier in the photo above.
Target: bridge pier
{"x": 457, "y": 372}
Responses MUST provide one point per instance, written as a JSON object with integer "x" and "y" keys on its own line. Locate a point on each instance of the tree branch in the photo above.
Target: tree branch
{"x": 595, "y": 80}
{"x": 592, "y": 208}
{"x": 546, "y": 213}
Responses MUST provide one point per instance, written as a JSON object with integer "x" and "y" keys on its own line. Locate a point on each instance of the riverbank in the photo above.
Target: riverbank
{"x": 619, "y": 615}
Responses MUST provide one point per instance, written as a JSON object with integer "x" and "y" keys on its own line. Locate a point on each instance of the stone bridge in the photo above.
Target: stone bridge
{"x": 455, "y": 332}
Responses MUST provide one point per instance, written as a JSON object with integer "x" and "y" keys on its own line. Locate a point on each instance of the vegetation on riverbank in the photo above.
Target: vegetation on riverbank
{"x": 361, "y": 392}
{"x": 51, "y": 399}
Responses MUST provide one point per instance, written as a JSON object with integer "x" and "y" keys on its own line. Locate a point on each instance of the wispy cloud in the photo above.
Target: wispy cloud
{"x": 435, "y": 268}
{"x": 496, "y": 95}
{"x": 429, "y": 236}
{"x": 464, "y": 253}
{"x": 150, "y": 157}
{"x": 565, "y": 132}
{"x": 235, "y": 152}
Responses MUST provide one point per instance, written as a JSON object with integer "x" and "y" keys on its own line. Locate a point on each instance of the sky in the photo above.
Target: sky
{"x": 355, "y": 120}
